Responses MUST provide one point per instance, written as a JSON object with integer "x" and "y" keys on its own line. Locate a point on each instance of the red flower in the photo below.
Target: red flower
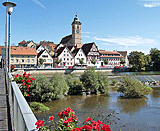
{"x": 99, "y": 122}
{"x": 88, "y": 119}
{"x": 51, "y": 118}
{"x": 39, "y": 123}
{"x": 33, "y": 79}
{"x": 105, "y": 128}
{"x": 95, "y": 125}
{"x": 25, "y": 73}
{"x": 22, "y": 80}
{"x": 26, "y": 76}
{"x": 29, "y": 81}
{"x": 28, "y": 86}
{"x": 28, "y": 89}
{"x": 89, "y": 128}
{"x": 60, "y": 114}
{"x": 29, "y": 74}
{"x": 77, "y": 129}
{"x": 27, "y": 94}
{"x": 23, "y": 84}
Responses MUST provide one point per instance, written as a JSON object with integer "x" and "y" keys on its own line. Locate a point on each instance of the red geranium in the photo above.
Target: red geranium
{"x": 23, "y": 84}
{"x": 39, "y": 123}
{"x": 51, "y": 118}
{"x": 28, "y": 86}
{"x": 88, "y": 119}
{"x": 105, "y": 128}
{"x": 22, "y": 80}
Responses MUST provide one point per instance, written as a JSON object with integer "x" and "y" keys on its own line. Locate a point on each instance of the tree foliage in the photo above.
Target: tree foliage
{"x": 57, "y": 61}
{"x": 75, "y": 85}
{"x": 137, "y": 60}
{"x": 105, "y": 61}
{"x": 41, "y": 61}
{"x": 96, "y": 82}
{"x": 93, "y": 61}
{"x": 155, "y": 57}
{"x": 132, "y": 88}
{"x": 81, "y": 61}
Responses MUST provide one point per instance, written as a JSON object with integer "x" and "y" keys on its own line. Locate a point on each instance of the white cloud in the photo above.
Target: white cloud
{"x": 143, "y": 51}
{"x": 86, "y": 36}
{"x": 38, "y": 3}
{"x": 150, "y": 3}
{"x": 88, "y": 33}
{"x": 129, "y": 40}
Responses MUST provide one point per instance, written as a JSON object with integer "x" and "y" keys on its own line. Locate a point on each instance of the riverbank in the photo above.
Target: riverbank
{"x": 60, "y": 70}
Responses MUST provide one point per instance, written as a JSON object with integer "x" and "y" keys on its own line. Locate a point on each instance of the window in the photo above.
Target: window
{"x": 67, "y": 63}
{"x": 67, "y": 54}
{"x": 33, "y": 56}
{"x": 12, "y": 56}
{"x": 64, "y": 54}
{"x": 22, "y": 60}
{"x": 67, "y": 58}
{"x": 45, "y": 56}
{"x": 22, "y": 56}
{"x": 28, "y": 60}
{"x": 71, "y": 63}
{"x": 64, "y": 58}
{"x": 17, "y": 60}
{"x": 77, "y": 58}
{"x": 12, "y": 60}
{"x": 71, "y": 59}
{"x": 32, "y": 60}
{"x": 49, "y": 60}
{"x": 79, "y": 54}
{"x": 28, "y": 56}
{"x": 17, "y": 56}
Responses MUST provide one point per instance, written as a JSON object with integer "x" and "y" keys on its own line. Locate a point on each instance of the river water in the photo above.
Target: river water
{"x": 121, "y": 114}
{"x": 141, "y": 114}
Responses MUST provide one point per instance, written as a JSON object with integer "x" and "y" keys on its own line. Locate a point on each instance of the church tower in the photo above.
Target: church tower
{"x": 76, "y": 32}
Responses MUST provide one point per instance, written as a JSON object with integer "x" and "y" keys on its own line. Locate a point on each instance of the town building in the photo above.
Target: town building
{"x": 125, "y": 57}
{"x": 27, "y": 44}
{"x": 75, "y": 38}
{"x": 92, "y": 54}
{"x": 66, "y": 57}
{"x": 47, "y": 58}
{"x": 113, "y": 57}
{"x": 23, "y": 57}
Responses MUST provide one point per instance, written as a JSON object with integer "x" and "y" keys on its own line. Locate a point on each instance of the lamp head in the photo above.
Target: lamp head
{"x": 9, "y": 6}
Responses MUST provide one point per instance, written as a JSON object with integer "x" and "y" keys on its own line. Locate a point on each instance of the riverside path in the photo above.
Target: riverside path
{"x": 3, "y": 103}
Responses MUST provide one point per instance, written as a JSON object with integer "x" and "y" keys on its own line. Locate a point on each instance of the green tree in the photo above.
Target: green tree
{"x": 57, "y": 61}
{"x": 75, "y": 85}
{"x": 41, "y": 61}
{"x": 137, "y": 59}
{"x": 155, "y": 56}
{"x": 59, "y": 85}
{"x": 122, "y": 61}
{"x": 133, "y": 88}
{"x": 147, "y": 62}
{"x": 81, "y": 61}
{"x": 105, "y": 61}
{"x": 96, "y": 82}
{"x": 93, "y": 61}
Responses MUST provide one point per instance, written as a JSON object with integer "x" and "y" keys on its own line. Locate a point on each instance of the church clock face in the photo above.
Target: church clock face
{"x": 77, "y": 31}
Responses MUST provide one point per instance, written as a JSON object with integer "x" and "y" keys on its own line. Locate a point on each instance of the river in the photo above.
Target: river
{"x": 127, "y": 114}
{"x": 141, "y": 114}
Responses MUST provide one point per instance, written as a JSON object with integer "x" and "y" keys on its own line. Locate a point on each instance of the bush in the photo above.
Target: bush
{"x": 38, "y": 107}
{"x": 75, "y": 85}
{"x": 43, "y": 90}
{"x": 96, "y": 82}
{"x": 59, "y": 85}
{"x": 133, "y": 88}
{"x": 114, "y": 82}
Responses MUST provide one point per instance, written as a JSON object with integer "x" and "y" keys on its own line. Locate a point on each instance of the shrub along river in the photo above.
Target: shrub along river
{"x": 141, "y": 114}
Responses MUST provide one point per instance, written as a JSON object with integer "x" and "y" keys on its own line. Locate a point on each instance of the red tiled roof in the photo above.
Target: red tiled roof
{"x": 23, "y": 42}
{"x": 23, "y": 51}
{"x": 108, "y": 52}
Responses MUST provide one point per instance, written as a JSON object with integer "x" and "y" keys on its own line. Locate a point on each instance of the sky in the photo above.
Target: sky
{"x": 122, "y": 25}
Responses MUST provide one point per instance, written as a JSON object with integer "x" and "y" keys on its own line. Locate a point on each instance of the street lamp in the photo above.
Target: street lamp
{"x": 9, "y": 6}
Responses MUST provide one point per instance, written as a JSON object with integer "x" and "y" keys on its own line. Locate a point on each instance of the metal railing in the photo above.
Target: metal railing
{"x": 22, "y": 117}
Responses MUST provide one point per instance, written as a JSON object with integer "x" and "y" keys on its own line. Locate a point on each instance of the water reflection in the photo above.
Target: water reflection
{"x": 130, "y": 106}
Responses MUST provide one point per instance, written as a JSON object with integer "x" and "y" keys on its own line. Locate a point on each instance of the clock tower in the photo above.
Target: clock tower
{"x": 76, "y": 32}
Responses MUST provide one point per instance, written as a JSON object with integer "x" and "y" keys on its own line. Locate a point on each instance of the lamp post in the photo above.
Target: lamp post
{"x": 9, "y": 6}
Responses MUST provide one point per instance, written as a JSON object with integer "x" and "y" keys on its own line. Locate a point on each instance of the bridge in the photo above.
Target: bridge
{"x": 15, "y": 113}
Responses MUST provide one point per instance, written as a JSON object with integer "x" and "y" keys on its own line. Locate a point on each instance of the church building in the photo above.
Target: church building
{"x": 75, "y": 38}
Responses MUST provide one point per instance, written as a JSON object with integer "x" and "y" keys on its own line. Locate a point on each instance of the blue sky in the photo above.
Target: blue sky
{"x": 132, "y": 25}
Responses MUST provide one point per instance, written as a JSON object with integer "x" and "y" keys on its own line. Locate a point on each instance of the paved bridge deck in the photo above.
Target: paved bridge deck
{"x": 3, "y": 103}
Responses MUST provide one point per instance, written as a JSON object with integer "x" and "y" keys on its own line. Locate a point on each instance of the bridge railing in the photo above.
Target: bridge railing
{"x": 22, "y": 117}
